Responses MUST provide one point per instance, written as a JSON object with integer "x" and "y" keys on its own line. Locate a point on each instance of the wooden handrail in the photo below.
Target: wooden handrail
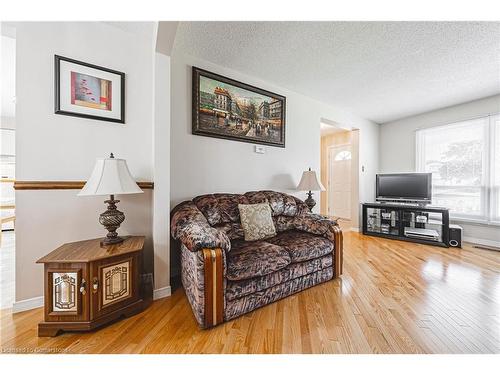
{"x": 63, "y": 185}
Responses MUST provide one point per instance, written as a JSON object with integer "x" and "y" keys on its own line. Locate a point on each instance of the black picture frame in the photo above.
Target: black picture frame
{"x": 57, "y": 90}
{"x": 198, "y": 130}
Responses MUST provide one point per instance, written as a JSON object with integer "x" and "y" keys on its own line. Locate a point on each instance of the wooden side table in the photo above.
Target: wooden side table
{"x": 88, "y": 285}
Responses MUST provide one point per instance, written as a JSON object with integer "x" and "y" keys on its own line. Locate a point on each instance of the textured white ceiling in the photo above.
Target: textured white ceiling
{"x": 146, "y": 29}
{"x": 382, "y": 71}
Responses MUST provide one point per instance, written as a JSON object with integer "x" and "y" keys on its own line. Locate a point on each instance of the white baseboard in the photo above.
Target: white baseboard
{"x": 354, "y": 229}
{"x": 480, "y": 241}
{"x": 33, "y": 303}
{"x": 27, "y": 304}
{"x": 162, "y": 293}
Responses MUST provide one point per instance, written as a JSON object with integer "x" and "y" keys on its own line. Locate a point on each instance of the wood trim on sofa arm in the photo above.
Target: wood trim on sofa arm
{"x": 338, "y": 252}
{"x": 214, "y": 299}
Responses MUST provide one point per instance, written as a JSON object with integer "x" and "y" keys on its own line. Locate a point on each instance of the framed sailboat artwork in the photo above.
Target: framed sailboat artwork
{"x": 89, "y": 91}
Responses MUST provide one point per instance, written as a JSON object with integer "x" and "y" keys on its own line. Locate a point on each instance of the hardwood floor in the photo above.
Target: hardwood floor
{"x": 394, "y": 297}
{"x": 345, "y": 224}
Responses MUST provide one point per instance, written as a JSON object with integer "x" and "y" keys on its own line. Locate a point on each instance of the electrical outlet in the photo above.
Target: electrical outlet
{"x": 260, "y": 150}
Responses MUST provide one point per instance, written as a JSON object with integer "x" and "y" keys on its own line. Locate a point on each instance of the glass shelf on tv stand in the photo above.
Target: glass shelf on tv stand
{"x": 394, "y": 231}
{"x": 383, "y": 221}
{"x": 390, "y": 220}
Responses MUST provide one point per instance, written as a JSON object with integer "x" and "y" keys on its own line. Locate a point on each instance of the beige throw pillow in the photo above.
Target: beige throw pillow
{"x": 256, "y": 221}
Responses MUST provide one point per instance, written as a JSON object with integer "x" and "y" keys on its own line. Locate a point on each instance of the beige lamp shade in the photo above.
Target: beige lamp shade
{"x": 110, "y": 176}
{"x": 310, "y": 182}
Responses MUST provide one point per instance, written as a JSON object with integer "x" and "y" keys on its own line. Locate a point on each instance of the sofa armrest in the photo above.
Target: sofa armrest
{"x": 328, "y": 228}
{"x": 191, "y": 228}
{"x": 203, "y": 262}
{"x": 202, "y": 274}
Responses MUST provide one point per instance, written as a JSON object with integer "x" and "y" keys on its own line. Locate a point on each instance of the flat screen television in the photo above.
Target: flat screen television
{"x": 408, "y": 187}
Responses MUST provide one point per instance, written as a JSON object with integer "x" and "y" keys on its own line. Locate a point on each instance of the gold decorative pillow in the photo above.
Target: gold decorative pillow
{"x": 256, "y": 221}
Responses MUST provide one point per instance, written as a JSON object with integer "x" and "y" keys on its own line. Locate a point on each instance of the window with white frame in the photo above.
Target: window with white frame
{"x": 464, "y": 159}
{"x": 495, "y": 168}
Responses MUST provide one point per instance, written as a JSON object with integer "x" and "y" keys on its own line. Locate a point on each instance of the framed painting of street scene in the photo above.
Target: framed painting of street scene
{"x": 225, "y": 108}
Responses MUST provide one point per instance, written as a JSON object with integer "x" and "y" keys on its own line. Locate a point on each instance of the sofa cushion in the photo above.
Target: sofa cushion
{"x": 220, "y": 208}
{"x": 241, "y": 288}
{"x": 283, "y": 223}
{"x": 255, "y": 300}
{"x": 281, "y": 204}
{"x": 232, "y": 230}
{"x": 253, "y": 259}
{"x": 302, "y": 245}
{"x": 256, "y": 221}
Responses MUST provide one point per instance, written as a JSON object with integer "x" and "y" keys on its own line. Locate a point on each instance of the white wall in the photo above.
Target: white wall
{"x": 397, "y": 146}
{"x": 56, "y": 147}
{"x": 201, "y": 165}
{"x": 53, "y": 147}
{"x": 45, "y": 219}
{"x": 8, "y": 82}
{"x": 161, "y": 203}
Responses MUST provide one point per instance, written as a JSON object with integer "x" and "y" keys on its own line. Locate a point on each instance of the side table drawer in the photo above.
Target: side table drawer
{"x": 66, "y": 291}
{"x": 114, "y": 283}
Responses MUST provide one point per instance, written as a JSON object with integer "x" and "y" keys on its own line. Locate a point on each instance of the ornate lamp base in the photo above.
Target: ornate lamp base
{"x": 111, "y": 219}
{"x": 310, "y": 202}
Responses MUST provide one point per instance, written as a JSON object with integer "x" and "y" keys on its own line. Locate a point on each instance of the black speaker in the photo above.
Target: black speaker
{"x": 455, "y": 236}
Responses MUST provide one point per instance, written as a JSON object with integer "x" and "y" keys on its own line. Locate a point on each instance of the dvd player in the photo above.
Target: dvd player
{"x": 425, "y": 234}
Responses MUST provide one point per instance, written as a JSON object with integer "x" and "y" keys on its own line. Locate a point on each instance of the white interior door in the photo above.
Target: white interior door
{"x": 339, "y": 181}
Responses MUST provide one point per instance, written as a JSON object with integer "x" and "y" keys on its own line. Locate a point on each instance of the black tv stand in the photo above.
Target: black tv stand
{"x": 408, "y": 222}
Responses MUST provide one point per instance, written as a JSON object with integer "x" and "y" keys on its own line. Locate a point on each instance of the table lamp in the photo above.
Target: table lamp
{"x": 309, "y": 182}
{"x": 111, "y": 176}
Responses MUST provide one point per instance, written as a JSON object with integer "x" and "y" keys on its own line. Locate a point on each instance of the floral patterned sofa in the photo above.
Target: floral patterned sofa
{"x": 225, "y": 277}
